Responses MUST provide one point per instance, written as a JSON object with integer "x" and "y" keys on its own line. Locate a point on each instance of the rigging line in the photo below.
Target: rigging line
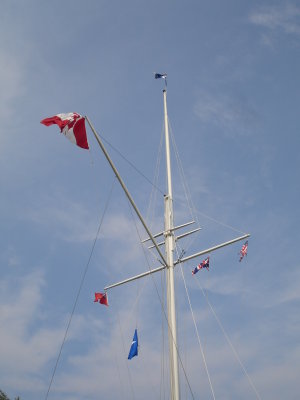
{"x": 197, "y": 332}
{"x": 123, "y": 345}
{"x": 191, "y": 205}
{"x": 137, "y": 300}
{"x": 119, "y": 373}
{"x": 139, "y": 289}
{"x": 156, "y": 176}
{"x": 162, "y": 378}
{"x": 130, "y": 163}
{"x": 194, "y": 211}
{"x": 115, "y": 355}
{"x": 151, "y": 209}
{"x": 219, "y": 222}
{"x": 166, "y": 317}
{"x": 181, "y": 254}
{"x": 185, "y": 187}
{"x": 181, "y": 171}
{"x": 153, "y": 196}
{"x": 213, "y": 219}
{"x": 229, "y": 341}
{"x": 79, "y": 290}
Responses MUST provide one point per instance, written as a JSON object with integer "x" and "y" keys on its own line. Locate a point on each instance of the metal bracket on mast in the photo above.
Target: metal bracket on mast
{"x": 178, "y": 237}
{"x": 180, "y": 260}
{"x": 173, "y": 229}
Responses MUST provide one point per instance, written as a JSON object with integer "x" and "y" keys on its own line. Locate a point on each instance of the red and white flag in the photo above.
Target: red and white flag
{"x": 72, "y": 125}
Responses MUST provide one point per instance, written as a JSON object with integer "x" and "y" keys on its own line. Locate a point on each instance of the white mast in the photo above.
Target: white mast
{"x": 167, "y": 262}
{"x": 169, "y": 248}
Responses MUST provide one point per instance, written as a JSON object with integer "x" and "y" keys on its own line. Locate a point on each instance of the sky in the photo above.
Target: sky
{"x": 67, "y": 229}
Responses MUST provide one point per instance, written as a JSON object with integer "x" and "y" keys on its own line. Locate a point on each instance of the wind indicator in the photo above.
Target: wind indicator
{"x": 161, "y": 76}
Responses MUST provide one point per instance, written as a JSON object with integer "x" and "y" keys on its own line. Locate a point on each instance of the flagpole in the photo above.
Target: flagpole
{"x": 169, "y": 248}
{"x": 167, "y": 260}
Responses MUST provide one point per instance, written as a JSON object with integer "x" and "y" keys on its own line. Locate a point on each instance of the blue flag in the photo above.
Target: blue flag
{"x": 134, "y": 346}
{"x": 163, "y": 76}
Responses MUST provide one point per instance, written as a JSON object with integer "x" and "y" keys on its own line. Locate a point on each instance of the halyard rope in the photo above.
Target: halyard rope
{"x": 197, "y": 333}
{"x": 78, "y": 292}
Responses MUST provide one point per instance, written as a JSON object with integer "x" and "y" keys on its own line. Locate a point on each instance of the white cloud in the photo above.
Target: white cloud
{"x": 234, "y": 114}
{"x": 287, "y": 290}
{"x": 25, "y": 349}
{"x": 10, "y": 257}
{"x": 72, "y": 222}
{"x": 11, "y": 76}
{"x": 284, "y": 18}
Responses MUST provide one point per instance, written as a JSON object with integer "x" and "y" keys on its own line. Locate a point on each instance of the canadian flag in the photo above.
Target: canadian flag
{"x": 72, "y": 125}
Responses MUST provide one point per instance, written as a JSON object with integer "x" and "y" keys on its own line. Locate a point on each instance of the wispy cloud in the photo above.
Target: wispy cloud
{"x": 28, "y": 343}
{"x": 233, "y": 114}
{"x": 285, "y": 18}
{"x": 10, "y": 257}
{"x": 25, "y": 349}
{"x": 11, "y": 76}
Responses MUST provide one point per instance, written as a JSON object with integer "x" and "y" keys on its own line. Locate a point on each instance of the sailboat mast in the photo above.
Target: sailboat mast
{"x": 169, "y": 247}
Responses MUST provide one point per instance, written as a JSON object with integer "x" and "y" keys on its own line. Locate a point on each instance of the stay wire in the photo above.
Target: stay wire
{"x": 182, "y": 175}
{"x": 115, "y": 352}
{"x": 166, "y": 317}
{"x": 153, "y": 197}
{"x": 162, "y": 379}
{"x": 151, "y": 209}
{"x": 124, "y": 351}
{"x": 139, "y": 289}
{"x": 197, "y": 333}
{"x": 229, "y": 341}
{"x": 194, "y": 211}
{"x": 79, "y": 290}
{"x": 191, "y": 207}
{"x": 130, "y": 163}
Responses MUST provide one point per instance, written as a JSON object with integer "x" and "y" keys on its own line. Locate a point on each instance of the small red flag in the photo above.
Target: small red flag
{"x": 101, "y": 298}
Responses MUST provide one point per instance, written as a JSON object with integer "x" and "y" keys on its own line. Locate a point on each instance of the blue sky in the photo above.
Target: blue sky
{"x": 233, "y": 102}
